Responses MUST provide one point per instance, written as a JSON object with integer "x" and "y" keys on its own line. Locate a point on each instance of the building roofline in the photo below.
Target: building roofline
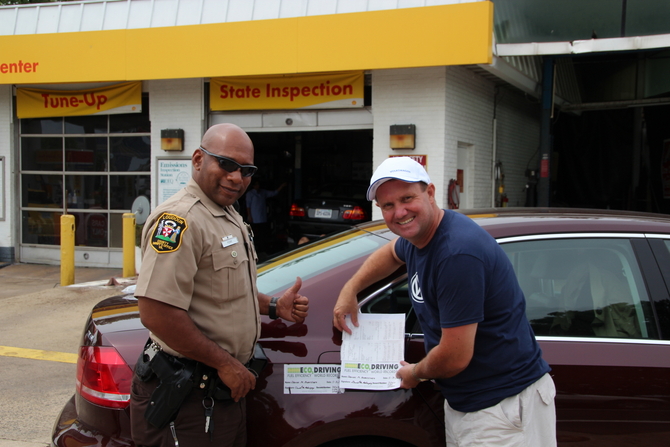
{"x": 583, "y": 46}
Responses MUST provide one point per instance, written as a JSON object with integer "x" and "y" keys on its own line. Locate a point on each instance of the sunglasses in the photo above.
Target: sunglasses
{"x": 230, "y": 165}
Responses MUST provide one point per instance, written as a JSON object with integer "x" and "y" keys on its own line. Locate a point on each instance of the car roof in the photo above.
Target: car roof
{"x": 509, "y": 222}
{"x": 526, "y": 221}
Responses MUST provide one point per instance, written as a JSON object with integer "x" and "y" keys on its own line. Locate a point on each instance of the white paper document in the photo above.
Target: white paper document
{"x": 371, "y": 355}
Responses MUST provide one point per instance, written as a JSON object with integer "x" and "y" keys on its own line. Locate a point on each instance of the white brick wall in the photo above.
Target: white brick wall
{"x": 471, "y": 100}
{"x": 411, "y": 96}
{"x": 452, "y": 106}
{"x": 518, "y": 141}
{"x": 174, "y": 104}
{"x": 469, "y": 120}
{"x": 7, "y": 150}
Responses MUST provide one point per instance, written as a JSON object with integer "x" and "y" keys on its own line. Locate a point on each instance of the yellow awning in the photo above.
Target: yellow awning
{"x": 458, "y": 34}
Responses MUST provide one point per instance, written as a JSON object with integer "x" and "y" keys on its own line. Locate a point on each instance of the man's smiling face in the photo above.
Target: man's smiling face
{"x": 409, "y": 210}
{"x": 223, "y": 187}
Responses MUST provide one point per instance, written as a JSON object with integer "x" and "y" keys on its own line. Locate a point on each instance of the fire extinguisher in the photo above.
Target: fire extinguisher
{"x": 453, "y": 197}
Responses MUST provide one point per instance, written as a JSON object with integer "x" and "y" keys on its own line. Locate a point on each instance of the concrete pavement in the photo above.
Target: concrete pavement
{"x": 21, "y": 279}
{"x": 38, "y": 314}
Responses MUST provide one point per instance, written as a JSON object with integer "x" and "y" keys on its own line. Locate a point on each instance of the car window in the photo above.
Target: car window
{"x": 573, "y": 288}
{"x": 393, "y": 300}
{"x": 583, "y": 288}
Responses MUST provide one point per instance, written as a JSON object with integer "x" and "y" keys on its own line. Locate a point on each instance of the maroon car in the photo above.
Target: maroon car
{"x": 597, "y": 296}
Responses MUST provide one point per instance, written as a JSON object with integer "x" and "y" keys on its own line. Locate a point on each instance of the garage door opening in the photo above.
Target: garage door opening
{"x": 306, "y": 162}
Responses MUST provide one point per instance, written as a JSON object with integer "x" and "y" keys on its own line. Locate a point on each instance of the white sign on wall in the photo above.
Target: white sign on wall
{"x": 173, "y": 174}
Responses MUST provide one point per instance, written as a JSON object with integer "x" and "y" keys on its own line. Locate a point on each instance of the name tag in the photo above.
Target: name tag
{"x": 229, "y": 240}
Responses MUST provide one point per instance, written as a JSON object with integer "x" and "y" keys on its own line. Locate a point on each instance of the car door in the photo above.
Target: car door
{"x": 597, "y": 304}
{"x": 393, "y": 297}
{"x": 600, "y": 309}
{"x": 659, "y": 280}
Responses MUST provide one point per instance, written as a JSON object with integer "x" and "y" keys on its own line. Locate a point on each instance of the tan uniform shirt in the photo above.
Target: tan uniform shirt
{"x": 198, "y": 256}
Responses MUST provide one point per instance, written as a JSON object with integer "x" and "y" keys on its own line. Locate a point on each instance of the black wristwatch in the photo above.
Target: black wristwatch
{"x": 272, "y": 309}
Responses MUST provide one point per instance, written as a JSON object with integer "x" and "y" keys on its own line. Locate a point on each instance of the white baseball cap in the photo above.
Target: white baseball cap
{"x": 396, "y": 168}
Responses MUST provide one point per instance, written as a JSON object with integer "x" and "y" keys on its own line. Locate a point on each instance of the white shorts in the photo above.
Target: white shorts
{"x": 527, "y": 419}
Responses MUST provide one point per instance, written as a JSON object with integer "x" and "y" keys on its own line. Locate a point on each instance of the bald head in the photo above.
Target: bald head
{"x": 218, "y": 134}
{"x": 226, "y": 140}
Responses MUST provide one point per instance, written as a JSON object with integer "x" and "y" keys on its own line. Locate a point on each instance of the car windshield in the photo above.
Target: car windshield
{"x": 306, "y": 262}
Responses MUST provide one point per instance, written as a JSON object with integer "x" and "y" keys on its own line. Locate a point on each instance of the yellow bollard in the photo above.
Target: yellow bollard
{"x": 66, "y": 250}
{"x": 128, "y": 245}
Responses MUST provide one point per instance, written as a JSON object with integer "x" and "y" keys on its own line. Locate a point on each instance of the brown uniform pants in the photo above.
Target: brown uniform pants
{"x": 228, "y": 421}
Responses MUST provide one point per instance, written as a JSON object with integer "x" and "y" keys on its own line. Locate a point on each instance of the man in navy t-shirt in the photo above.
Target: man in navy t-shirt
{"x": 481, "y": 348}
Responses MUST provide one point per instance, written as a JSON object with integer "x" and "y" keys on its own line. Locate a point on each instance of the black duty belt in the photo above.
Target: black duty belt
{"x": 204, "y": 377}
{"x": 179, "y": 376}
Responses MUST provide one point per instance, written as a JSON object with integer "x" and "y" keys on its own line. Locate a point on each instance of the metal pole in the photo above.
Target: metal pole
{"x": 128, "y": 245}
{"x": 494, "y": 177}
{"x": 66, "y": 250}
{"x": 544, "y": 183}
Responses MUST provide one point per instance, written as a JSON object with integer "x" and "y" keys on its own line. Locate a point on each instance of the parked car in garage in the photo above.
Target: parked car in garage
{"x": 597, "y": 289}
{"x": 331, "y": 208}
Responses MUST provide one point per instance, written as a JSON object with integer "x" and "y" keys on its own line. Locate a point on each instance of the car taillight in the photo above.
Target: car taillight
{"x": 103, "y": 377}
{"x": 355, "y": 214}
{"x": 297, "y": 211}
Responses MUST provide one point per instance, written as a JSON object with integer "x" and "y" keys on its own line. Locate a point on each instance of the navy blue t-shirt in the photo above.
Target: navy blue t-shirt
{"x": 462, "y": 277}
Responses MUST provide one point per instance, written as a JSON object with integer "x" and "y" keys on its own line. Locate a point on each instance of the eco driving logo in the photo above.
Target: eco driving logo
{"x": 415, "y": 289}
{"x": 313, "y": 369}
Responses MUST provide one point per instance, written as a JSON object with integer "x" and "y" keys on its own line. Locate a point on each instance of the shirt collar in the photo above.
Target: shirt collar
{"x": 213, "y": 207}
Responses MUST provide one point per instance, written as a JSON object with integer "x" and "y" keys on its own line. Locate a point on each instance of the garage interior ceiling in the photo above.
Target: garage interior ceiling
{"x": 608, "y": 53}
{"x": 523, "y": 21}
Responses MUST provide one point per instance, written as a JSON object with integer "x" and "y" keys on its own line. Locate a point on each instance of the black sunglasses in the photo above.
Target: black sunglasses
{"x": 230, "y": 165}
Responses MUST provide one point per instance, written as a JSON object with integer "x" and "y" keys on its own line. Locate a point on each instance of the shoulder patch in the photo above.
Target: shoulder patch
{"x": 168, "y": 232}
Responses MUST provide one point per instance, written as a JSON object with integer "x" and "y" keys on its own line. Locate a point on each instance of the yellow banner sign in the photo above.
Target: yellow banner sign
{"x": 323, "y": 91}
{"x": 119, "y": 98}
